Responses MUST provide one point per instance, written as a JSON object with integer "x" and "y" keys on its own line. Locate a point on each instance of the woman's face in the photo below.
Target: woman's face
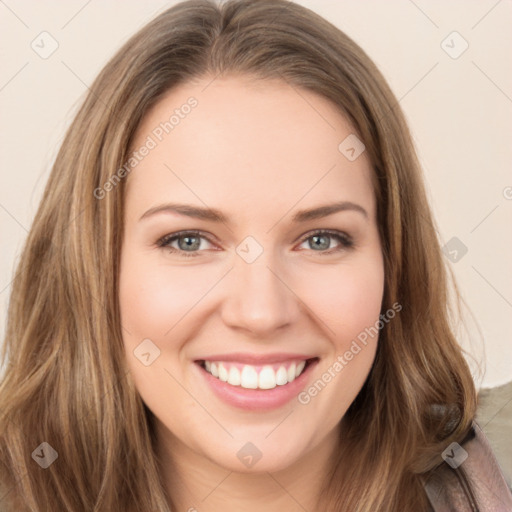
{"x": 248, "y": 286}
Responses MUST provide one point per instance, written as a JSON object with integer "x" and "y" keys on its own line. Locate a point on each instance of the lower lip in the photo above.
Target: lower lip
{"x": 257, "y": 399}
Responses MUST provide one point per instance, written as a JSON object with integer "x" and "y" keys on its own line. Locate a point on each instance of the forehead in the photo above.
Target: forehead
{"x": 249, "y": 144}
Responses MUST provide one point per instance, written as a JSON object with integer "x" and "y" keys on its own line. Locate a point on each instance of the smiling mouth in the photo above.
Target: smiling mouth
{"x": 261, "y": 377}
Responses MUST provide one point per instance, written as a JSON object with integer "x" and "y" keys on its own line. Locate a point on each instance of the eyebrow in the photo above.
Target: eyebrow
{"x": 214, "y": 215}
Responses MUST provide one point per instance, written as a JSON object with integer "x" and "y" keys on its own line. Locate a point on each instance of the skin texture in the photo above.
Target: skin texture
{"x": 259, "y": 151}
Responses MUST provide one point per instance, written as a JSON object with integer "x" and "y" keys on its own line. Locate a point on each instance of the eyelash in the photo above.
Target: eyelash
{"x": 345, "y": 241}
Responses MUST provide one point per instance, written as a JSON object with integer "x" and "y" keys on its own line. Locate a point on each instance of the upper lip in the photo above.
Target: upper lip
{"x": 246, "y": 358}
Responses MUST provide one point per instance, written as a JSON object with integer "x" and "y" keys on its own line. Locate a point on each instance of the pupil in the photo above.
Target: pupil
{"x": 320, "y": 245}
{"x": 188, "y": 244}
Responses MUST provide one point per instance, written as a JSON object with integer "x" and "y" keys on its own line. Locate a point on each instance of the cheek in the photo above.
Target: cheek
{"x": 347, "y": 299}
{"x": 154, "y": 302}
{"x": 349, "y": 307}
{"x": 153, "y": 298}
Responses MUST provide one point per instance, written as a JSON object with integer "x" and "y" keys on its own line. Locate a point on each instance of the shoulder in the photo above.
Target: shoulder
{"x": 494, "y": 415}
{"x": 470, "y": 478}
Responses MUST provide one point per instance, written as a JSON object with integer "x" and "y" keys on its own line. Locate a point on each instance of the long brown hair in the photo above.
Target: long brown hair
{"x": 66, "y": 382}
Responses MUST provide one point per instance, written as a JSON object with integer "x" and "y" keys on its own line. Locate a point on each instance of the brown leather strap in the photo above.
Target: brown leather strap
{"x": 470, "y": 479}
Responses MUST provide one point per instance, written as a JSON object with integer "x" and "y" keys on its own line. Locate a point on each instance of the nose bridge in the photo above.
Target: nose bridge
{"x": 259, "y": 299}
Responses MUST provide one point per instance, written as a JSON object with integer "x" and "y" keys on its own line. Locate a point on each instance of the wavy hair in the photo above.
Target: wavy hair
{"x": 67, "y": 382}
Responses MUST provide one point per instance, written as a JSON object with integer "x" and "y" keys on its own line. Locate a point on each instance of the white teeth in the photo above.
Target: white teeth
{"x": 223, "y": 373}
{"x": 267, "y": 378}
{"x": 234, "y": 376}
{"x": 291, "y": 373}
{"x": 299, "y": 368}
{"x": 281, "y": 376}
{"x": 249, "y": 378}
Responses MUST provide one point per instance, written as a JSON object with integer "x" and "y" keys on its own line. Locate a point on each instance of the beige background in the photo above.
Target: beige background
{"x": 459, "y": 110}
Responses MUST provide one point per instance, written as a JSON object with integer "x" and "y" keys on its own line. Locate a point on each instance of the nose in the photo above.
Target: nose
{"x": 259, "y": 301}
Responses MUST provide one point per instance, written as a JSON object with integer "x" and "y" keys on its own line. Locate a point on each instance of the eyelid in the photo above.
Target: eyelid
{"x": 345, "y": 240}
{"x": 166, "y": 239}
{"x": 333, "y": 232}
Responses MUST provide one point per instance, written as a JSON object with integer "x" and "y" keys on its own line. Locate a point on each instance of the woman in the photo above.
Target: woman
{"x": 295, "y": 351}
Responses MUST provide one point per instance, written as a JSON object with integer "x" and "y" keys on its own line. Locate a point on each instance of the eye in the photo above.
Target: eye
{"x": 189, "y": 242}
{"x": 320, "y": 241}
